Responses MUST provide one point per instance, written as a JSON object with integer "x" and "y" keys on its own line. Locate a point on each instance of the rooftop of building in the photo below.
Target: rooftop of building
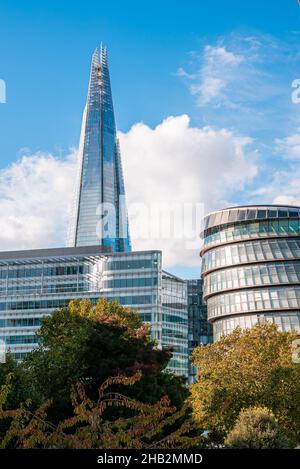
{"x": 168, "y": 275}
{"x": 63, "y": 252}
{"x": 244, "y": 213}
{"x": 253, "y": 206}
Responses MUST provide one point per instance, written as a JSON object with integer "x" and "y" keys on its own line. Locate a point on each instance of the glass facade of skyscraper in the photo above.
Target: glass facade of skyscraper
{"x": 251, "y": 267}
{"x": 174, "y": 332}
{"x": 200, "y": 330}
{"x": 99, "y": 214}
{"x": 98, "y": 262}
{"x": 34, "y": 283}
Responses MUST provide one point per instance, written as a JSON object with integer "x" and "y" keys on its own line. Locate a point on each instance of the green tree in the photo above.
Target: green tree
{"x": 87, "y": 344}
{"x": 20, "y": 381}
{"x": 157, "y": 425}
{"x": 20, "y": 386}
{"x": 247, "y": 368}
{"x": 256, "y": 428}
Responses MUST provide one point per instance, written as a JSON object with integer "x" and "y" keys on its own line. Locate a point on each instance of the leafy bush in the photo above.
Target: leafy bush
{"x": 256, "y": 428}
{"x": 247, "y": 368}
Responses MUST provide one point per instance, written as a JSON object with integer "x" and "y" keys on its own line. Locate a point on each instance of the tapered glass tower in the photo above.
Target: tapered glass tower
{"x": 99, "y": 213}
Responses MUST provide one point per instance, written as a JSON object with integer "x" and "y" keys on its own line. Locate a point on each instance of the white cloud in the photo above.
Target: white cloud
{"x": 173, "y": 163}
{"x": 221, "y": 56}
{"x": 284, "y": 187}
{"x": 35, "y": 195}
{"x": 182, "y": 73}
{"x": 210, "y": 88}
{"x": 244, "y": 82}
{"x": 239, "y": 72}
{"x": 289, "y": 147}
{"x": 218, "y": 68}
{"x": 177, "y": 163}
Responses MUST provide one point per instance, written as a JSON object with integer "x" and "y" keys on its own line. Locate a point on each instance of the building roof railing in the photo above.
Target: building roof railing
{"x": 248, "y": 213}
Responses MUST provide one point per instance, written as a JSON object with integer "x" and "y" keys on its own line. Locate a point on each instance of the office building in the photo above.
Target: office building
{"x": 99, "y": 213}
{"x": 98, "y": 261}
{"x": 251, "y": 267}
{"x": 199, "y": 329}
{"x": 35, "y": 283}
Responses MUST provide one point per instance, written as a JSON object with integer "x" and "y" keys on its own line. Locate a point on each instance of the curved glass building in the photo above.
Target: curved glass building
{"x": 251, "y": 267}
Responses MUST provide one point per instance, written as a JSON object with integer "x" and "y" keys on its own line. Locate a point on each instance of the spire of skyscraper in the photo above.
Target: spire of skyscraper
{"x": 99, "y": 214}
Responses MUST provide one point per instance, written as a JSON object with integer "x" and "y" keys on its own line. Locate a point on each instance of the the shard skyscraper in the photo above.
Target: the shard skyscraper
{"x": 99, "y": 213}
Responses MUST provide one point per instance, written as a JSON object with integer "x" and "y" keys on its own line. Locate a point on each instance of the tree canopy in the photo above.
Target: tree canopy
{"x": 253, "y": 367}
{"x": 158, "y": 425}
{"x": 247, "y": 394}
{"x": 86, "y": 343}
{"x": 256, "y": 428}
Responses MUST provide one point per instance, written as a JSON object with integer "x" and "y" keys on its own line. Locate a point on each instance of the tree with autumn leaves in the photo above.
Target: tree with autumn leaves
{"x": 256, "y": 428}
{"x": 249, "y": 368}
{"x": 98, "y": 381}
{"x": 148, "y": 426}
{"x": 87, "y": 344}
{"x": 84, "y": 349}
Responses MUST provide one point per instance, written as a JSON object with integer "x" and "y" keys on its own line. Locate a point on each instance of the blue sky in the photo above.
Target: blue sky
{"x": 45, "y": 52}
{"x": 226, "y": 64}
